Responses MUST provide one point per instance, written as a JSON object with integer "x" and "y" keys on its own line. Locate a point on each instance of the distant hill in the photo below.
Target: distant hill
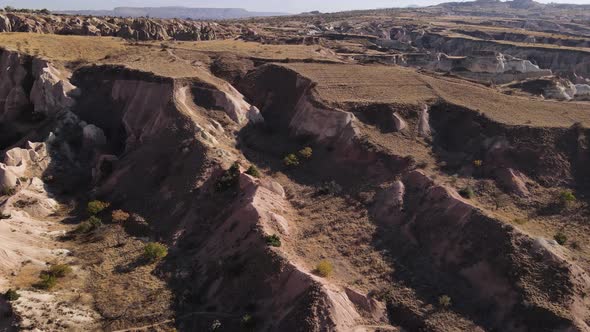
{"x": 513, "y": 4}
{"x": 174, "y": 12}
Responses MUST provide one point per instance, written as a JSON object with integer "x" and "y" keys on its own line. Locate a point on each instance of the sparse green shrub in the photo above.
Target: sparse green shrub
{"x": 273, "y": 240}
{"x": 520, "y": 221}
{"x": 566, "y": 198}
{"x": 96, "y": 207}
{"x": 467, "y": 192}
{"x": 230, "y": 178}
{"x": 291, "y": 160}
{"x": 324, "y": 268}
{"x": 154, "y": 251}
{"x": 89, "y": 225}
{"x": 306, "y": 153}
{"x": 7, "y": 191}
{"x": 11, "y": 295}
{"x": 47, "y": 281}
{"x": 253, "y": 171}
{"x": 83, "y": 227}
{"x": 444, "y": 301}
{"x": 60, "y": 270}
{"x": 560, "y": 238}
{"x": 120, "y": 216}
{"x": 95, "y": 222}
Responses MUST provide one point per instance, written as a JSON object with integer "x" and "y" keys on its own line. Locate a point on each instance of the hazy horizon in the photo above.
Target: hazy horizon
{"x": 256, "y": 5}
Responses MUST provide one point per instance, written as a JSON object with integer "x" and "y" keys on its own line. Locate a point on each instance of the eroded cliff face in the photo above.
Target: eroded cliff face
{"x": 156, "y": 146}
{"x": 31, "y": 90}
{"x": 489, "y": 256}
{"x": 445, "y": 239}
{"x": 292, "y": 104}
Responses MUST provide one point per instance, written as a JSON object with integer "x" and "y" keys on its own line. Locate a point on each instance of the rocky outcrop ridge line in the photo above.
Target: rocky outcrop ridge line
{"x": 128, "y": 28}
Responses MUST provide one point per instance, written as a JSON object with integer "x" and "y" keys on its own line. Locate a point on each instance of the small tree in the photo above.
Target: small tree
{"x": 253, "y": 171}
{"x": 89, "y": 225}
{"x": 444, "y": 301}
{"x": 566, "y": 198}
{"x": 306, "y": 153}
{"x": 11, "y": 295}
{"x": 560, "y": 238}
{"x": 273, "y": 241}
{"x": 154, "y": 251}
{"x": 291, "y": 160}
{"x": 230, "y": 178}
{"x": 60, "y": 270}
{"x": 96, "y": 207}
{"x": 47, "y": 281}
{"x": 324, "y": 268}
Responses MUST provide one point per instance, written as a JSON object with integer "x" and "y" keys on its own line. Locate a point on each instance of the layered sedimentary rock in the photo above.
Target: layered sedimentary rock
{"x": 561, "y": 61}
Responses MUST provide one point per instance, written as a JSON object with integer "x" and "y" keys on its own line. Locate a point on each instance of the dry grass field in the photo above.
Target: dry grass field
{"x": 255, "y": 50}
{"x": 397, "y": 85}
{"x": 170, "y": 59}
{"x": 64, "y": 48}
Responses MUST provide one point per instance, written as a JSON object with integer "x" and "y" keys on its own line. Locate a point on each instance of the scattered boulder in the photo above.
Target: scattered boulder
{"x": 424, "y": 123}
{"x": 513, "y": 181}
{"x": 93, "y": 137}
{"x": 398, "y": 122}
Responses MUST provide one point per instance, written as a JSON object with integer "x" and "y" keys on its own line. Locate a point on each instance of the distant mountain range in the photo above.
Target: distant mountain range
{"x": 174, "y": 12}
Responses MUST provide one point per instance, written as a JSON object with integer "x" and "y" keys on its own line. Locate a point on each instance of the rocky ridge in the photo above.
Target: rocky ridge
{"x": 128, "y": 28}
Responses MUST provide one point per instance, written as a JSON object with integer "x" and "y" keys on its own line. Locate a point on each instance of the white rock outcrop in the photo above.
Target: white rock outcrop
{"x": 561, "y": 90}
{"x": 23, "y": 163}
{"x": 319, "y": 122}
{"x": 51, "y": 90}
{"x": 424, "y": 129}
{"x": 582, "y": 92}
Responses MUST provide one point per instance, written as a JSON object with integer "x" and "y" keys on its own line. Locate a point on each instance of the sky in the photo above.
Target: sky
{"x": 286, "y": 6}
